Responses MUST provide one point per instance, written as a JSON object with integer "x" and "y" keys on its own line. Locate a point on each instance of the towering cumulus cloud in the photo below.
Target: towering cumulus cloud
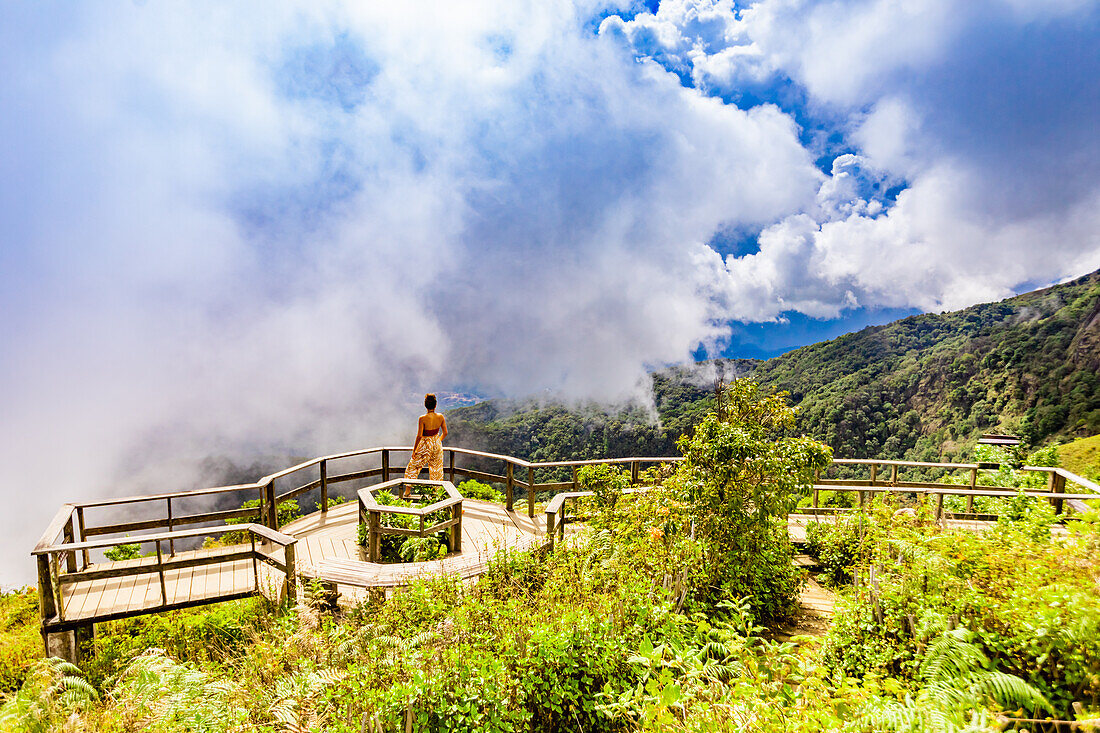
{"x": 248, "y": 229}
{"x": 961, "y": 138}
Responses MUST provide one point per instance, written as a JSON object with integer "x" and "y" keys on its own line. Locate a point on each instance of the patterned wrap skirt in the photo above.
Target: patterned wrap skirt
{"x": 428, "y": 453}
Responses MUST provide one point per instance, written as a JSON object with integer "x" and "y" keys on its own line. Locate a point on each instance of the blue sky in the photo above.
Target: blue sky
{"x": 248, "y": 227}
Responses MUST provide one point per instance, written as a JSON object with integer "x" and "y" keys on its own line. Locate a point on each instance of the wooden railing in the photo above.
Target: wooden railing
{"x": 968, "y": 487}
{"x": 1057, "y": 478}
{"x": 370, "y": 515}
{"x": 73, "y": 523}
{"x": 63, "y": 553}
{"x": 52, "y": 581}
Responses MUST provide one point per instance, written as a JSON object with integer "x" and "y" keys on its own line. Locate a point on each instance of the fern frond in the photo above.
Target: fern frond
{"x": 950, "y": 656}
{"x": 1008, "y": 691}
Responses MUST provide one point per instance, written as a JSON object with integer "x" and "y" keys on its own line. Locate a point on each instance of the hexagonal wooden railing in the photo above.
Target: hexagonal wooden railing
{"x": 370, "y": 514}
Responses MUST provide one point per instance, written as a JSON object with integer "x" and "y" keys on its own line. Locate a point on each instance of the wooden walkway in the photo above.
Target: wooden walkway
{"x": 104, "y": 599}
{"x": 329, "y": 542}
{"x": 322, "y": 537}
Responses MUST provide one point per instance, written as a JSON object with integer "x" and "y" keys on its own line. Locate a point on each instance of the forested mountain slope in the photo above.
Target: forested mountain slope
{"x": 922, "y": 387}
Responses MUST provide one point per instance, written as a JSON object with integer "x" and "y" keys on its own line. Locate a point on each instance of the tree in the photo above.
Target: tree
{"x": 741, "y": 477}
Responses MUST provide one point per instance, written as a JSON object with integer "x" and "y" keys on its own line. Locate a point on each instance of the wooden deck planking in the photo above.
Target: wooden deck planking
{"x": 486, "y": 527}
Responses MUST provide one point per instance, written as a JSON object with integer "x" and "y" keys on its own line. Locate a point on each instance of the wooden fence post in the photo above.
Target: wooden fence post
{"x": 374, "y": 539}
{"x": 160, "y": 574}
{"x": 456, "y": 530}
{"x": 510, "y": 487}
{"x": 531, "y": 492}
{"x": 70, "y": 557}
{"x": 973, "y": 487}
{"x": 255, "y": 561}
{"x": 385, "y": 465}
{"x": 633, "y": 473}
{"x": 171, "y": 542}
{"x": 83, "y": 533}
{"x": 1057, "y": 484}
{"x": 46, "y": 606}
{"x": 55, "y": 583}
{"x": 291, "y": 575}
{"x": 272, "y": 510}
{"x": 451, "y": 467}
{"x": 324, "y": 485}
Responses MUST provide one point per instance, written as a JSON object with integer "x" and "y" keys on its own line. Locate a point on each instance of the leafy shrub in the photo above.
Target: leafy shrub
{"x": 477, "y": 490}
{"x": 607, "y": 482}
{"x": 742, "y": 476}
{"x": 1029, "y": 602}
{"x": 333, "y": 500}
{"x": 127, "y": 551}
{"x": 419, "y": 549}
{"x": 285, "y": 512}
{"x": 1026, "y": 515}
{"x": 837, "y": 546}
{"x": 397, "y": 548}
{"x": 198, "y": 635}
{"x": 20, "y": 642}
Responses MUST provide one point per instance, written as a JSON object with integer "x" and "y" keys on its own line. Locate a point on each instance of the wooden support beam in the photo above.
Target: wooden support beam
{"x": 510, "y": 487}
{"x": 374, "y": 536}
{"x": 55, "y": 584}
{"x": 255, "y": 562}
{"x": 1057, "y": 485}
{"x": 47, "y": 606}
{"x": 272, "y": 508}
{"x": 171, "y": 542}
{"x": 385, "y": 465}
{"x": 70, "y": 537}
{"x": 324, "y": 485}
{"x": 291, "y": 575}
{"x": 456, "y": 530}
{"x": 160, "y": 574}
{"x": 531, "y": 492}
{"x": 973, "y": 486}
{"x": 83, "y": 534}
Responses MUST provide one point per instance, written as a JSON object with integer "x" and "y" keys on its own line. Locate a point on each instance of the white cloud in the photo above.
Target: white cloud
{"x": 984, "y": 114}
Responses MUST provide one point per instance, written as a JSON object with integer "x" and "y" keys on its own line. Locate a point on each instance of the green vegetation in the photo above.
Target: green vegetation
{"x": 126, "y": 551}
{"x": 395, "y": 548}
{"x": 1082, "y": 457}
{"x": 741, "y": 476}
{"x": 1023, "y": 604}
{"x": 19, "y": 639}
{"x": 477, "y": 490}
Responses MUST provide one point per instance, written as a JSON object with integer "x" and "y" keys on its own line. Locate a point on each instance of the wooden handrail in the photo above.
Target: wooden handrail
{"x": 510, "y": 479}
{"x": 266, "y": 533}
{"x": 56, "y": 526}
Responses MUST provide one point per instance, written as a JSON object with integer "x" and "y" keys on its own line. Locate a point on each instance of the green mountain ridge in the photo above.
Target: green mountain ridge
{"x": 923, "y": 387}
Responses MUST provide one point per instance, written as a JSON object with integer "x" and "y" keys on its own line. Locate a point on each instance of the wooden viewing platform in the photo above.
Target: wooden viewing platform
{"x": 78, "y": 587}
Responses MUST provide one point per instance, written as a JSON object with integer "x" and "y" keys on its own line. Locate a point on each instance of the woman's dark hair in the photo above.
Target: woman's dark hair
{"x": 429, "y": 401}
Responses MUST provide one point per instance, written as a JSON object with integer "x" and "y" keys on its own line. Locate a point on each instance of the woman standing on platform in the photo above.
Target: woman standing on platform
{"x": 431, "y": 429}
